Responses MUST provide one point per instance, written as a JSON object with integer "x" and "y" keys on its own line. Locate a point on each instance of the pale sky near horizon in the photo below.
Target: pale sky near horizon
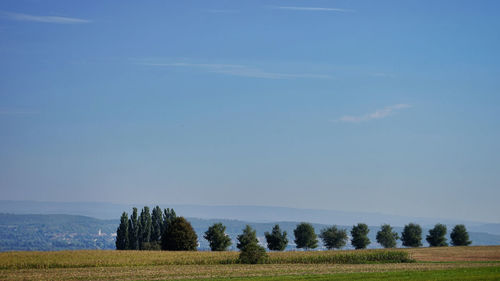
{"x": 374, "y": 106}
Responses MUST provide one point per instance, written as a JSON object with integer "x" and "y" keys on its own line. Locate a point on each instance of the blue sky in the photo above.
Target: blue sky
{"x": 377, "y": 106}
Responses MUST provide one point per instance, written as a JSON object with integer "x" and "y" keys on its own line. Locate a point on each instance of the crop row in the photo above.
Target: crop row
{"x": 79, "y": 259}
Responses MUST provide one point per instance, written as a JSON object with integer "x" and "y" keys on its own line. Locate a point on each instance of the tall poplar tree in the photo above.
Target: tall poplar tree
{"x": 122, "y": 242}
{"x": 133, "y": 231}
{"x": 156, "y": 225}
{"x": 145, "y": 229}
{"x": 168, "y": 216}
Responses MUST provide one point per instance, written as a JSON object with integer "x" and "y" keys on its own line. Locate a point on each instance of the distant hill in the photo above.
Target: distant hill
{"x": 243, "y": 213}
{"x": 55, "y": 232}
{"x": 70, "y": 232}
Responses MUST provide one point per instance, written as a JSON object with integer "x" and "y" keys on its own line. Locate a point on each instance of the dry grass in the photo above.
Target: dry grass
{"x": 450, "y": 254}
{"x": 169, "y": 272}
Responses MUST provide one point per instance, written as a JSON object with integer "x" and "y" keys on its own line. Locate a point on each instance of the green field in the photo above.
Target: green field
{"x": 449, "y": 263}
{"x": 477, "y": 273}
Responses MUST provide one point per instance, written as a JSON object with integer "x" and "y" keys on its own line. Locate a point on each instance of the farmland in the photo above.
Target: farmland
{"x": 430, "y": 263}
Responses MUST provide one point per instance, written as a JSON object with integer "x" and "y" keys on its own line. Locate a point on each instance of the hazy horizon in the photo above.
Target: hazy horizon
{"x": 246, "y": 211}
{"x": 388, "y": 106}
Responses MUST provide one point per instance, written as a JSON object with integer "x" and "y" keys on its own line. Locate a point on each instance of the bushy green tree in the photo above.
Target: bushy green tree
{"x": 156, "y": 225}
{"x": 386, "y": 237}
{"x": 334, "y": 238}
{"x": 305, "y": 237}
{"x": 459, "y": 236}
{"x": 248, "y": 236}
{"x": 437, "y": 236}
{"x": 217, "y": 237}
{"x": 359, "y": 235}
{"x": 253, "y": 253}
{"x": 250, "y": 250}
{"x": 276, "y": 240}
{"x": 133, "y": 230}
{"x": 179, "y": 236}
{"x": 122, "y": 233}
{"x": 412, "y": 235}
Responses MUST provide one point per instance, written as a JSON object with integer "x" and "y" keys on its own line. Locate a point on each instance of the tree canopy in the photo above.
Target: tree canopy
{"x": 253, "y": 253}
{"x": 145, "y": 228}
{"x": 359, "y": 235}
{"x": 156, "y": 225}
{"x": 250, "y": 250}
{"x": 459, "y": 236}
{"x": 436, "y": 237}
{"x": 305, "y": 237}
{"x": 248, "y": 236}
{"x": 412, "y": 235}
{"x": 133, "y": 230}
{"x": 334, "y": 238}
{"x": 217, "y": 237}
{"x": 122, "y": 233}
{"x": 276, "y": 240}
{"x": 179, "y": 236}
{"x": 168, "y": 216}
{"x": 386, "y": 237}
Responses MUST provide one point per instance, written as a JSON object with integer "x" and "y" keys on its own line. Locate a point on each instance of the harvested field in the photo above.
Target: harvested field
{"x": 170, "y": 272}
{"x": 449, "y": 254}
{"x": 134, "y": 265}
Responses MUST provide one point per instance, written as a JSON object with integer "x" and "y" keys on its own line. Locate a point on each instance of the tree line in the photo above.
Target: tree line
{"x": 145, "y": 231}
{"x": 335, "y": 238}
{"x": 164, "y": 230}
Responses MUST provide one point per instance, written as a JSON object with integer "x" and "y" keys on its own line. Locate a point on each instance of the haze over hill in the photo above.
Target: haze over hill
{"x": 70, "y": 232}
{"x": 261, "y": 214}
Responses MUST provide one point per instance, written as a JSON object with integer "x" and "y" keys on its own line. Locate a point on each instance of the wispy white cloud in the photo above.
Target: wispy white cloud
{"x": 378, "y": 114}
{"x": 44, "y": 19}
{"x": 313, "y": 9}
{"x": 240, "y": 70}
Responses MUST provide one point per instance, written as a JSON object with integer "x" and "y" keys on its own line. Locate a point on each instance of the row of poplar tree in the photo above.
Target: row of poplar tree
{"x": 164, "y": 230}
{"x": 144, "y": 231}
